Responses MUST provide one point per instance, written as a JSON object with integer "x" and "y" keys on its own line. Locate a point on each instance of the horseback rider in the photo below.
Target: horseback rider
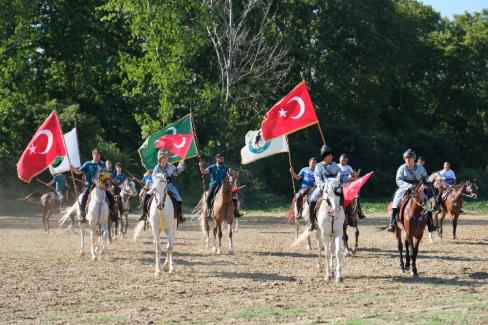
{"x": 306, "y": 174}
{"x": 218, "y": 172}
{"x": 170, "y": 171}
{"x": 448, "y": 174}
{"x": 407, "y": 177}
{"x": 325, "y": 170}
{"x": 346, "y": 173}
{"x": 89, "y": 169}
{"x": 146, "y": 184}
{"x": 421, "y": 161}
{"x": 109, "y": 168}
{"x": 61, "y": 183}
{"x": 119, "y": 177}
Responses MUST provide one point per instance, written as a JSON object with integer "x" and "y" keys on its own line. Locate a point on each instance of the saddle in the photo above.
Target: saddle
{"x": 403, "y": 204}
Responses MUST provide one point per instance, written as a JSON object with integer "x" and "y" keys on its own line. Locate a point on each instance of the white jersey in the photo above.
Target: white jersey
{"x": 449, "y": 176}
{"x": 346, "y": 172}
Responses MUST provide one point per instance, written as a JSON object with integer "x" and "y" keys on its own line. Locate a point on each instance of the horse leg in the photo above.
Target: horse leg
{"x": 329, "y": 245}
{"x": 439, "y": 230}
{"x": 93, "y": 231}
{"x": 454, "y": 225}
{"x": 338, "y": 254}
{"x": 219, "y": 251}
{"x": 231, "y": 245}
{"x": 415, "y": 251}
{"x": 345, "y": 239}
{"x": 309, "y": 243}
{"x": 215, "y": 230}
{"x": 400, "y": 250}
{"x": 320, "y": 245}
{"x": 82, "y": 240}
{"x": 407, "y": 254}
{"x": 168, "y": 262}
{"x": 356, "y": 233}
{"x": 157, "y": 246}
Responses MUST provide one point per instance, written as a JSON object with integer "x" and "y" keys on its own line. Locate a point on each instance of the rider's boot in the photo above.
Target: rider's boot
{"x": 312, "y": 216}
{"x": 179, "y": 212}
{"x": 431, "y": 225}
{"x": 237, "y": 214}
{"x": 144, "y": 208}
{"x": 299, "y": 211}
{"x": 393, "y": 216}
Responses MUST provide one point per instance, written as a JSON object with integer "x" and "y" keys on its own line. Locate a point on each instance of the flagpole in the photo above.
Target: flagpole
{"x": 289, "y": 161}
{"x": 45, "y": 184}
{"x": 320, "y": 130}
{"x": 197, "y": 144}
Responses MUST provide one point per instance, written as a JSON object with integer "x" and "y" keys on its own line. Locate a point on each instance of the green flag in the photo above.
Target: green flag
{"x": 148, "y": 150}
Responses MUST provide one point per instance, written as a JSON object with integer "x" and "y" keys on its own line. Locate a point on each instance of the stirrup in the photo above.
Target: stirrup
{"x": 391, "y": 228}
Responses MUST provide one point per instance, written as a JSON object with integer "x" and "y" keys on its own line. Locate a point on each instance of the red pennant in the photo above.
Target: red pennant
{"x": 293, "y": 112}
{"x": 351, "y": 190}
{"x": 46, "y": 145}
{"x": 177, "y": 144}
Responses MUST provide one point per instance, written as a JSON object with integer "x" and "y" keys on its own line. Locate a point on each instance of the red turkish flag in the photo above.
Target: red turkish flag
{"x": 46, "y": 145}
{"x": 351, "y": 190}
{"x": 293, "y": 112}
{"x": 177, "y": 144}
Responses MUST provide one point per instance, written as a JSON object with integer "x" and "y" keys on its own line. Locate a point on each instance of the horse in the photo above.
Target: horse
{"x": 412, "y": 220}
{"x": 122, "y": 194}
{"x": 222, "y": 211}
{"x": 452, "y": 203}
{"x": 48, "y": 202}
{"x": 330, "y": 221}
{"x": 97, "y": 216}
{"x": 161, "y": 218}
{"x": 351, "y": 219}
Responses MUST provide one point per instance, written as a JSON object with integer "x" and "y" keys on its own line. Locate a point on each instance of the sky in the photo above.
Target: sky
{"x": 449, "y": 8}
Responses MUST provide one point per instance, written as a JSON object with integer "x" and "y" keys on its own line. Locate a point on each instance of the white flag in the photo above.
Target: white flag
{"x": 256, "y": 147}
{"x": 61, "y": 164}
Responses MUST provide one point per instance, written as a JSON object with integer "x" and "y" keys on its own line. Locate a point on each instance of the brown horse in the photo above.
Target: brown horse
{"x": 222, "y": 211}
{"x": 351, "y": 219}
{"x": 412, "y": 220}
{"x": 48, "y": 202}
{"x": 452, "y": 203}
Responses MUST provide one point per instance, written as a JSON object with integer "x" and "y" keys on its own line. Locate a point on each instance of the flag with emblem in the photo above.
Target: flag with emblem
{"x": 256, "y": 147}
{"x": 46, "y": 145}
{"x": 148, "y": 150}
{"x": 177, "y": 144}
{"x": 292, "y": 113}
{"x": 61, "y": 164}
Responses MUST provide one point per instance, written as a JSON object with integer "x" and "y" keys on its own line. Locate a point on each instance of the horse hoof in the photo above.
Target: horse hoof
{"x": 94, "y": 258}
{"x": 339, "y": 279}
{"x": 166, "y": 267}
{"x": 414, "y": 275}
{"x": 321, "y": 267}
{"x": 454, "y": 238}
{"x": 348, "y": 253}
{"x": 231, "y": 252}
{"x": 407, "y": 267}
{"x": 157, "y": 274}
{"x": 328, "y": 277}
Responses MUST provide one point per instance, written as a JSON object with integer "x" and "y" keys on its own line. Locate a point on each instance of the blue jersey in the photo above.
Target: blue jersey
{"x": 147, "y": 180}
{"x": 119, "y": 178}
{"x": 308, "y": 178}
{"x": 217, "y": 174}
{"x": 60, "y": 182}
{"x": 90, "y": 169}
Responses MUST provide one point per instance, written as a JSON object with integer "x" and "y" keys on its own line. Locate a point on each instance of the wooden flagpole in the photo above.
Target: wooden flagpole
{"x": 320, "y": 130}
{"x": 69, "y": 163}
{"x": 289, "y": 161}
{"x": 45, "y": 184}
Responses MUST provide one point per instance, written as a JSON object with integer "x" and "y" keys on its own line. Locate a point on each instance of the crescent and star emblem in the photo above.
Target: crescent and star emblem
{"x": 32, "y": 148}
{"x": 282, "y": 112}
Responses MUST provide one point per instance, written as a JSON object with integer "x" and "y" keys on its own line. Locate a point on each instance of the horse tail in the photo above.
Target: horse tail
{"x": 32, "y": 197}
{"x": 137, "y": 230}
{"x": 67, "y": 213}
{"x": 303, "y": 237}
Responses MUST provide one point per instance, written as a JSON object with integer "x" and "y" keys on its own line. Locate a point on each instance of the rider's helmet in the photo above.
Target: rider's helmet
{"x": 409, "y": 154}
{"x": 325, "y": 151}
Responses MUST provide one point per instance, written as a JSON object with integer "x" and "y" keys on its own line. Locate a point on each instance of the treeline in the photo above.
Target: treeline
{"x": 383, "y": 75}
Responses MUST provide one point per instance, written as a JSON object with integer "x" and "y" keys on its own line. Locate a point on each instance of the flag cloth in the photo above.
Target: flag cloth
{"x": 293, "y": 112}
{"x": 61, "y": 164}
{"x": 149, "y": 152}
{"x": 351, "y": 190}
{"x": 177, "y": 144}
{"x": 46, "y": 145}
{"x": 256, "y": 147}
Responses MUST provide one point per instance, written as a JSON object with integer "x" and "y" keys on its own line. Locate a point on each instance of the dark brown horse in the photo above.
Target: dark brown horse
{"x": 352, "y": 216}
{"x": 48, "y": 202}
{"x": 452, "y": 203}
{"x": 412, "y": 220}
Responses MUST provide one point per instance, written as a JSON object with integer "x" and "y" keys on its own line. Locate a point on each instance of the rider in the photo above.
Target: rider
{"x": 89, "y": 169}
{"x": 306, "y": 174}
{"x": 324, "y": 171}
{"x": 119, "y": 177}
{"x": 346, "y": 172}
{"x": 109, "y": 168}
{"x": 218, "y": 172}
{"x": 448, "y": 174}
{"x": 421, "y": 161}
{"x": 407, "y": 177}
{"x": 170, "y": 171}
{"x": 61, "y": 184}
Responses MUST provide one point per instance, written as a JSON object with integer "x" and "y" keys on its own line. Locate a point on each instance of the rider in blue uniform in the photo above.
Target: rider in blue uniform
{"x": 89, "y": 169}
{"x": 60, "y": 182}
{"x": 324, "y": 171}
{"x": 306, "y": 175}
{"x": 218, "y": 172}
{"x": 119, "y": 177}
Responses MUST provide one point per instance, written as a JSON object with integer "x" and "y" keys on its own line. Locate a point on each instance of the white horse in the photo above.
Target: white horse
{"x": 97, "y": 217}
{"x": 330, "y": 221}
{"x": 161, "y": 218}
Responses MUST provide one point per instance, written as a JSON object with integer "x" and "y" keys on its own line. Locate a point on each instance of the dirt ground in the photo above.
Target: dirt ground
{"x": 43, "y": 279}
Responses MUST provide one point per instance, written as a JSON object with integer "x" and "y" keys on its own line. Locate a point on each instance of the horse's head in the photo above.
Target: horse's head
{"x": 101, "y": 179}
{"x": 333, "y": 195}
{"x": 159, "y": 182}
{"x": 426, "y": 194}
{"x": 437, "y": 180}
{"x": 233, "y": 178}
{"x": 355, "y": 174}
{"x": 129, "y": 186}
{"x": 471, "y": 188}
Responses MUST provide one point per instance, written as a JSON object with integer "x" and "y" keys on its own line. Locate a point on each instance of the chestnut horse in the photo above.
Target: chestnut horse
{"x": 412, "y": 221}
{"x": 452, "y": 203}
